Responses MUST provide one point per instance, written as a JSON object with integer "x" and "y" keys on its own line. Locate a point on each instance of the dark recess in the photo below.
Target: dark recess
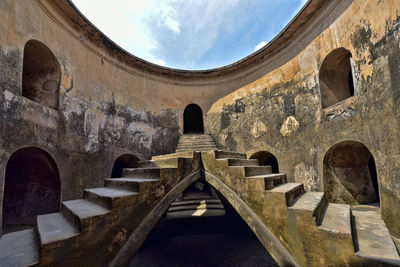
{"x": 32, "y": 187}
{"x": 266, "y": 159}
{"x": 123, "y": 161}
{"x": 193, "y": 120}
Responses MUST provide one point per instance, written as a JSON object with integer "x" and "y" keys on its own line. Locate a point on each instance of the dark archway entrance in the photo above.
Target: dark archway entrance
{"x": 193, "y": 120}
{"x": 350, "y": 174}
{"x": 123, "y": 161}
{"x": 266, "y": 158}
{"x": 41, "y": 74}
{"x": 336, "y": 77}
{"x": 32, "y": 187}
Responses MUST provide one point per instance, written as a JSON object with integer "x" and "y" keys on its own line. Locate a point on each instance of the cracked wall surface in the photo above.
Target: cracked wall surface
{"x": 282, "y": 112}
{"x": 112, "y": 103}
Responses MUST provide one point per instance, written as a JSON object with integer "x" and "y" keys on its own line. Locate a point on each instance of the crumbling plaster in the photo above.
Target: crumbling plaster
{"x": 296, "y": 128}
{"x": 112, "y": 103}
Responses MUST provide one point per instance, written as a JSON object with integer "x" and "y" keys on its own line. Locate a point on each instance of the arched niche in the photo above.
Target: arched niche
{"x": 32, "y": 187}
{"x": 40, "y": 75}
{"x": 336, "y": 77}
{"x": 124, "y": 161}
{"x": 266, "y": 158}
{"x": 193, "y": 120}
{"x": 350, "y": 174}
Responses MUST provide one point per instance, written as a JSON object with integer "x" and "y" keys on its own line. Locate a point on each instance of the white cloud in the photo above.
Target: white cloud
{"x": 171, "y": 30}
{"x": 167, "y": 17}
{"x": 158, "y": 62}
{"x": 260, "y": 45}
{"x": 201, "y": 25}
{"x": 126, "y": 22}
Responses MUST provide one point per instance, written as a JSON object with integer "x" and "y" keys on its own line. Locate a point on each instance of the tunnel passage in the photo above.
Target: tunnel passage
{"x": 203, "y": 241}
{"x": 123, "y": 161}
{"x": 193, "y": 120}
{"x": 336, "y": 77}
{"x": 32, "y": 187}
{"x": 266, "y": 158}
{"x": 40, "y": 75}
{"x": 350, "y": 174}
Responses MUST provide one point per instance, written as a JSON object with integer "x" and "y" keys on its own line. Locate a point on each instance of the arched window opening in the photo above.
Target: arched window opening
{"x": 193, "y": 120}
{"x": 32, "y": 187}
{"x": 266, "y": 158}
{"x": 41, "y": 74}
{"x": 350, "y": 174}
{"x": 122, "y": 162}
{"x": 336, "y": 77}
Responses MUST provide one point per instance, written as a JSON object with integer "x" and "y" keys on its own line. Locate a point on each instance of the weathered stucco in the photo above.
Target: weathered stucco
{"x": 112, "y": 103}
{"x": 282, "y": 112}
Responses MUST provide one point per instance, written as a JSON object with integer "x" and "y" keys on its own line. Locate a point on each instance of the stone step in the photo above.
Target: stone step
{"x": 197, "y": 197}
{"x": 202, "y": 206}
{"x": 374, "y": 240}
{"x": 55, "y": 227}
{"x": 194, "y": 149}
{"x": 193, "y": 141}
{"x": 242, "y": 162}
{"x": 196, "y": 213}
{"x": 195, "y": 146}
{"x": 222, "y": 154}
{"x": 84, "y": 213}
{"x": 310, "y": 205}
{"x": 19, "y": 248}
{"x": 199, "y": 143}
{"x": 396, "y": 242}
{"x": 109, "y": 197}
{"x": 366, "y": 211}
{"x": 185, "y": 154}
{"x": 188, "y": 136}
{"x": 160, "y": 163}
{"x": 208, "y": 140}
{"x": 257, "y": 170}
{"x": 150, "y": 172}
{"x": 196, "y": 141}
{"x": 195, "y": 202}
{"x": 203, "y": 143}
{"x": 271, "y": 180}
{"x": 130, "y": 184}
{"x": 290, "y": 190}
{"x": 337, "y": 219}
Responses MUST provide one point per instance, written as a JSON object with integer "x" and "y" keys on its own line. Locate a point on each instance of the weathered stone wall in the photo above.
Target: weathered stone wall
{"x": 112, "y": 103}
{"x": 282, "y": 112}
{"x": 99, "y": 116}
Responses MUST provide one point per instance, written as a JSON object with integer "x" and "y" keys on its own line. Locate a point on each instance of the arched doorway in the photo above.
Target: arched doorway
{"x": 40, "y": 75}
{"x": 266, "y": 158}
{"x": 350, "y": 174}
{"x": 193, "y": 120}
{"x": 32, "y": 187}
{"x": 123, "y": 161}
{"x": 336, "y": 77}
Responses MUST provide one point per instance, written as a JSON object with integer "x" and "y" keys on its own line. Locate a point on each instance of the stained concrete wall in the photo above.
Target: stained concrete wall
{"x": 282, "y": 111}
{"x": 112, "y": 103}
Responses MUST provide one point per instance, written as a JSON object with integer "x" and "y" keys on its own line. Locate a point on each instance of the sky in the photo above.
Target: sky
{"x": 190, "y": 34}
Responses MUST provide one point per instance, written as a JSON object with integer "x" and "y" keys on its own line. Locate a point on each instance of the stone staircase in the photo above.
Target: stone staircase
{"x": 89, "y": 231}
{"x": 314, "y": 231}
{"x": 195, "y": 142}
